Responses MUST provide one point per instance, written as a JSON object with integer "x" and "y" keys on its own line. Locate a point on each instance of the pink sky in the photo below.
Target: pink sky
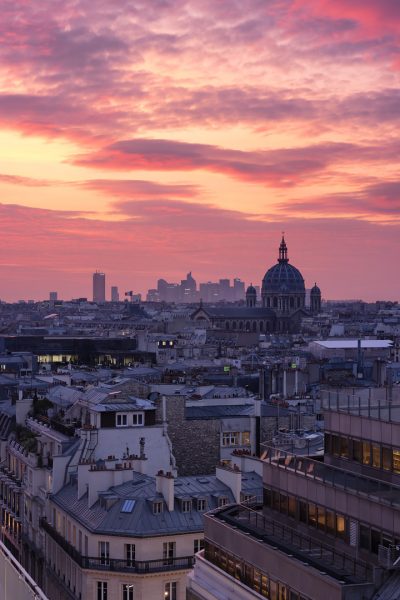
{"x": 150, "y": 138}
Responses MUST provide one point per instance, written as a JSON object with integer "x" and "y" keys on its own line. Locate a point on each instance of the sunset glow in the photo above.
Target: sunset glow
{"x": 148, "y": 138}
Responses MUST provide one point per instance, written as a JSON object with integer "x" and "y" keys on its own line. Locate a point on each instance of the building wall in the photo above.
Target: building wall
{"x": 195, "y": 443}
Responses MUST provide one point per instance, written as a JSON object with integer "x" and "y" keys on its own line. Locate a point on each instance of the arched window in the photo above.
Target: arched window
{"x": 275, "y": 302}
{"x": 240, "y": 324}
{"x": 227, "y": 325}
{"x": 234, "y": 325}
{"x": 254, "y": 326}
{"x": 247, "y": 325}
{"x": 261, "y": 326}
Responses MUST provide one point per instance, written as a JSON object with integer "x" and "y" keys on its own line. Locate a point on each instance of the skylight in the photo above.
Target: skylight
{"x": 127, "y": 506}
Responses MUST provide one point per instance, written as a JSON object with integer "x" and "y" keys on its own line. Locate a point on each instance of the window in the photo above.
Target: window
{"x": 198, "y": 545}
{"x": 127, "y": 591}
{"x": 387, "y": 458}
{"x": 170, "y": 591}
{"x": 245, "y": 438}
{"x": 102, "y": 591}
{"x": 168, "y": 552}
{"x": 122, "y": 420}
{"x": 130, "y": 553}
{"x": 104, "y": 553}
{"x": 230, "y": 438}
{"x": 376, "y": 456}
{"x": 366, "y": 446}
{"x": 157, "y": 507}
{"x": 201, "y": 505}
{"x": 340, "y": 526}
{"x": 186, "y": 506}
{"x": 357, "y": 451}
{"x": 222, "y": 500}
{"x": 137, "y": 419}
{"x": 396, "y": 461}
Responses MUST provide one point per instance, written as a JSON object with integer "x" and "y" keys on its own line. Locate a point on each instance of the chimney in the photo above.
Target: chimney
{"x": 141, "y": 444}
{"x": 232, "y": 477}
{"x": 165, "y": 486}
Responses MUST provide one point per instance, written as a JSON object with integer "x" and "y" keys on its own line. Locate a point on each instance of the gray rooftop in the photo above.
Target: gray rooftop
{"x": 141, "y": 521}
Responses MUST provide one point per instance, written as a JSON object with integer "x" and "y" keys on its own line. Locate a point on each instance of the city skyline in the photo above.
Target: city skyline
{"x": 160, "y": 137}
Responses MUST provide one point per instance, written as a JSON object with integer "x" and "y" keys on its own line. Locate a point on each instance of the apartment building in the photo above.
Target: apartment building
{"x": 117, "y": 534}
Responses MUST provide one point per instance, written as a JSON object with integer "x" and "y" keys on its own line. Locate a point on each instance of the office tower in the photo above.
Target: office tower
{"x": 114, "y": 294}
{"x": 99, "y": 287}
{"x": 53, "y": 296}
{"x": 324, "y": 528}
{"x": 238, "y": 289}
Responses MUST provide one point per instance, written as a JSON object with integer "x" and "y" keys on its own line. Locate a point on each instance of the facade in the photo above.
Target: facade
{"x": 283, "y": 303}
{"x": 135, "y": 540}
{"x": 99, "y": 287}
{"x": 326, "y": 529}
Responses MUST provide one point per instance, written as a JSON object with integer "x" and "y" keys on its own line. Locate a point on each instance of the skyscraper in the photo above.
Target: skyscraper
{"x": 99, "y": 287}
{"x": 114, "y": 294}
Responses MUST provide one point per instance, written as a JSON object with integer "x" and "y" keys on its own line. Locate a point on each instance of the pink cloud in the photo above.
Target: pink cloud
{"x": 167, "y": 239}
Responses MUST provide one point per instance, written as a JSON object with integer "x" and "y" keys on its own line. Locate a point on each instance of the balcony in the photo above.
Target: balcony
{"x": 116, "y": 564}
{"x": 323, "y": 557}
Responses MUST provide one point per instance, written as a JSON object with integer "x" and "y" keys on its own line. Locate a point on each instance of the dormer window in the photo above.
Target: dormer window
{"x": 158, "y": 507}
{"x": 222, "y": 500}
{"x": 201, "y": 504}
{"x": 137, "y": 419}
{"x": 186, "y": 506}
{"x": 121, "y": 420}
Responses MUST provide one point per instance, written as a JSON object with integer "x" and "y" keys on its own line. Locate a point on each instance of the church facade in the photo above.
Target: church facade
{"x": 283, "y": 303}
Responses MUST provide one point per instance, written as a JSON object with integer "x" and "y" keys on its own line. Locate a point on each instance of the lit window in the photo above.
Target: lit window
{"x": 170, "y": 591}
{"x": 245, "y": 438}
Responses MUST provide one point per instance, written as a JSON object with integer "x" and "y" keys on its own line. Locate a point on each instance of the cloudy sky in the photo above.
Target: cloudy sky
{"x": 148, "y": 138}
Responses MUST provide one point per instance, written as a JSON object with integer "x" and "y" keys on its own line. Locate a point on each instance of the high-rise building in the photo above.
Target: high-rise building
{"x": 114, "y": 294}
{"x": 99, "y": 287}
{"x": 53, "y": 296}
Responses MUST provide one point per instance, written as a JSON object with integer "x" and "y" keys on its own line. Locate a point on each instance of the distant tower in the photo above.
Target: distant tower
{"x": 251, "y": 296}
{"x": 53, "y": 296}
{"x": 315, "y": 299}
{"x": 99, "y": 287}
{"x": 114, "y": 294}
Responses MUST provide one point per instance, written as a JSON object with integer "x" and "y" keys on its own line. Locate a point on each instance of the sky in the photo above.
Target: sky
{"x": 149, "y": 138}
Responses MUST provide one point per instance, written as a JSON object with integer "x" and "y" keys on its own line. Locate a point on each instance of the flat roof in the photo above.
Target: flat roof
{"x": 344, "y": 344}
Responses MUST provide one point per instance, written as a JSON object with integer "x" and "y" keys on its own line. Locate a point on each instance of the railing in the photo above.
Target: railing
{"x": 303, "y": 547}
{"x": 354, "y": 483}
{"x": 21, "y": 574}
{"x": 382, "y": 404}
{"x": 116, "y": 564}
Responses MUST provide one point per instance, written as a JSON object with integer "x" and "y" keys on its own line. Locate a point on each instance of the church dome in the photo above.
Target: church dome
{"x": 283, "y": 277}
